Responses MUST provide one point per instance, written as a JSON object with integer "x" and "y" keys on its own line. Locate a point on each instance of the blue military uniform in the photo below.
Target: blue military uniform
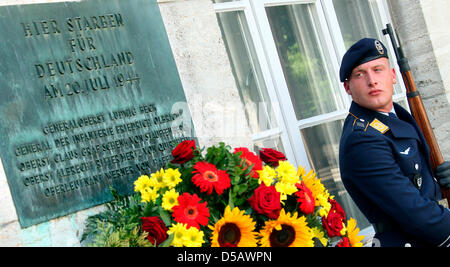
{"x": 385, "y": 167}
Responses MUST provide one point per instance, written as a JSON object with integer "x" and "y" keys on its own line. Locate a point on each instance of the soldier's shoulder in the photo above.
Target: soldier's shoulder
{"x": 362, "y": 126}
{"x": 361, "y": 132}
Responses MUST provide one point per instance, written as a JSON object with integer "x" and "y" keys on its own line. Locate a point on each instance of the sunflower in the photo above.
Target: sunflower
{"x": 319, "y": 193}
{"x": 234, "y": 229}
{"x": 207, "y": 177}
{"x": 352, "y": 233}
{"x": 190, "y": 211}
{"x": 286, "y": 231}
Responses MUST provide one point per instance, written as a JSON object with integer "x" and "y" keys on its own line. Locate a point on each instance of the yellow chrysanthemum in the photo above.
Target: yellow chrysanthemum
{"x": 141, "y": 183}
{"x": 352, "y": 233}
{"x": 324, "y": 204}
{"x": 158, "y": 179}
{"x": 287, "y": 179}
{"x": 319, "y": 234}
{"x": 179, "y": 232}
{"x": 285, "y": 189}
{"x": 193, "y": 237}
{"x": 149, "y": 194}
{"x": 172, "y": 177}
{"x": 234, "y": 229}
{"x": 286, "y": 173}
{"x": 286, "y": 231}
{"x": 170, "y": 199}
{"x": 267, "y": 175}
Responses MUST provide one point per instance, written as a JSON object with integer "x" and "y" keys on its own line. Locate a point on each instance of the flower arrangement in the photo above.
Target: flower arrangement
{"x": 225, "y": 198}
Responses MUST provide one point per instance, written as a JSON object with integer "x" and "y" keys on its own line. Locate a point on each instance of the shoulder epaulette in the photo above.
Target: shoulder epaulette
{"x": 360, "y": 125}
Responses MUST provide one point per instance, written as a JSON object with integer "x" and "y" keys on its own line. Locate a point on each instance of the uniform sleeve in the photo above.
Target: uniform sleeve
{"x": 370, "y": 165}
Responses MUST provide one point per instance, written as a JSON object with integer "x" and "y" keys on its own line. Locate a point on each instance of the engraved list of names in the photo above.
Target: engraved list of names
{"x": 90, "y": 97}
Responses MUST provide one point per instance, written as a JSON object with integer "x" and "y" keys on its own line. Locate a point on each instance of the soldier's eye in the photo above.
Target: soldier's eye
{"x": 358, "y": 75}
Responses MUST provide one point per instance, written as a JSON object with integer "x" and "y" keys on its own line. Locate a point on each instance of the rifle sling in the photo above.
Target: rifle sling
{"x": 412, "y": 94}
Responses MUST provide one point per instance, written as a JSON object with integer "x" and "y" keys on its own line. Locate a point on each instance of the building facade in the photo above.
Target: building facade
{"x": 264, "y": 73}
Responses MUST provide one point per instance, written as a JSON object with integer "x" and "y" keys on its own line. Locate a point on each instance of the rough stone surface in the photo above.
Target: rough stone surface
{"x": 422, "y": 26}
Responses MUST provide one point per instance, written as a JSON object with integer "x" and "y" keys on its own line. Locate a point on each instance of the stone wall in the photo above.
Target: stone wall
{"x": 422, "y": 26}
{"x": 212, "y": 97}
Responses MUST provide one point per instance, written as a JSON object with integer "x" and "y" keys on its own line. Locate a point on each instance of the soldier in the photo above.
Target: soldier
{"x": 384, "y": 159}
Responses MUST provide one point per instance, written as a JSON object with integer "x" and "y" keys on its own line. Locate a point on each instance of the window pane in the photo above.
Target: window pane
{"x": 360, "y": 19}
{"x": 246, "y": 71}
{"x": 356, "y": 20}
{"x": 322, "y": 147}
{"x": 312, "y": 83}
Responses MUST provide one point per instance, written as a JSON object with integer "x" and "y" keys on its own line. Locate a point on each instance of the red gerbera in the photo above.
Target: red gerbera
{"x": 207, "y": 177}
{"x": 305, "y": 198}
{"x": 190, "y": 211}
{"x": 250, "y": 158}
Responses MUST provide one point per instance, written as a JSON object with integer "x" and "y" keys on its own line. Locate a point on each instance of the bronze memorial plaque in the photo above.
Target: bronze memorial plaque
{"x": 90, "y": 97}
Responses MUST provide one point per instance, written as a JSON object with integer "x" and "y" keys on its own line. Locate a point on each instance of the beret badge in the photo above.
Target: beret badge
{"x": 379, "y": 47}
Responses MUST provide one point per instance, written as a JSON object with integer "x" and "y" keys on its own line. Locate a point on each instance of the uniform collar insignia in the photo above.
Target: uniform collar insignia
{"x": 379, "y": 126}
{"x": 400, "y": 129}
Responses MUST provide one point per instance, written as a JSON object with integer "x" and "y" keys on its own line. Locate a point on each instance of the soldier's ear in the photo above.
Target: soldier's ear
{"x": 347, "y": 87}
{"x": 394, "y": 76}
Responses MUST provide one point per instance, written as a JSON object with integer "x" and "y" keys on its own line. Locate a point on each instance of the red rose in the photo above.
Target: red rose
{"x": 344, "y": 243}
{"x": 305, "y": 198}
{"x": 184, "y": 152}
{"x": 266, "y": 200}
{"x": 154, "y": 226}
{"x": 271, "y": 156}
{"x": 333, "y": 222}
{"x": 249, "y": 158}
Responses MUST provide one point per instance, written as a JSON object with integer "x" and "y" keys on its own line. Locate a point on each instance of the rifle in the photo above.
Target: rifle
{"x": 416, "y": 105}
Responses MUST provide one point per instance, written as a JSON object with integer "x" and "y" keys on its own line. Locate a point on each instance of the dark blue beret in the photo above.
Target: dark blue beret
{"x": 363, "y": 51}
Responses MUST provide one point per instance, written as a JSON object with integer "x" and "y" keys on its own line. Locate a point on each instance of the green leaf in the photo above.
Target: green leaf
{"x": 147, "y": 210}
{"x": 230, "y": 200}
{"x": 168, "y": 241}
{"x": 165, "y": 217}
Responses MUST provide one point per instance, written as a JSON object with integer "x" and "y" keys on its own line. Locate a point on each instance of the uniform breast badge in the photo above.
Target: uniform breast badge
{"x": 379, "y": 126}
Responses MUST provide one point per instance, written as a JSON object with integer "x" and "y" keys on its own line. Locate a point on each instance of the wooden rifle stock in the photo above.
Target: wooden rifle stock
{"x": 416, "y": 106}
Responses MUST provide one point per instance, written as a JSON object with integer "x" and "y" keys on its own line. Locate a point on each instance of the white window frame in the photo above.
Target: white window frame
{"x": 288, "y": 126}
{"x": 280, "y": 131}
